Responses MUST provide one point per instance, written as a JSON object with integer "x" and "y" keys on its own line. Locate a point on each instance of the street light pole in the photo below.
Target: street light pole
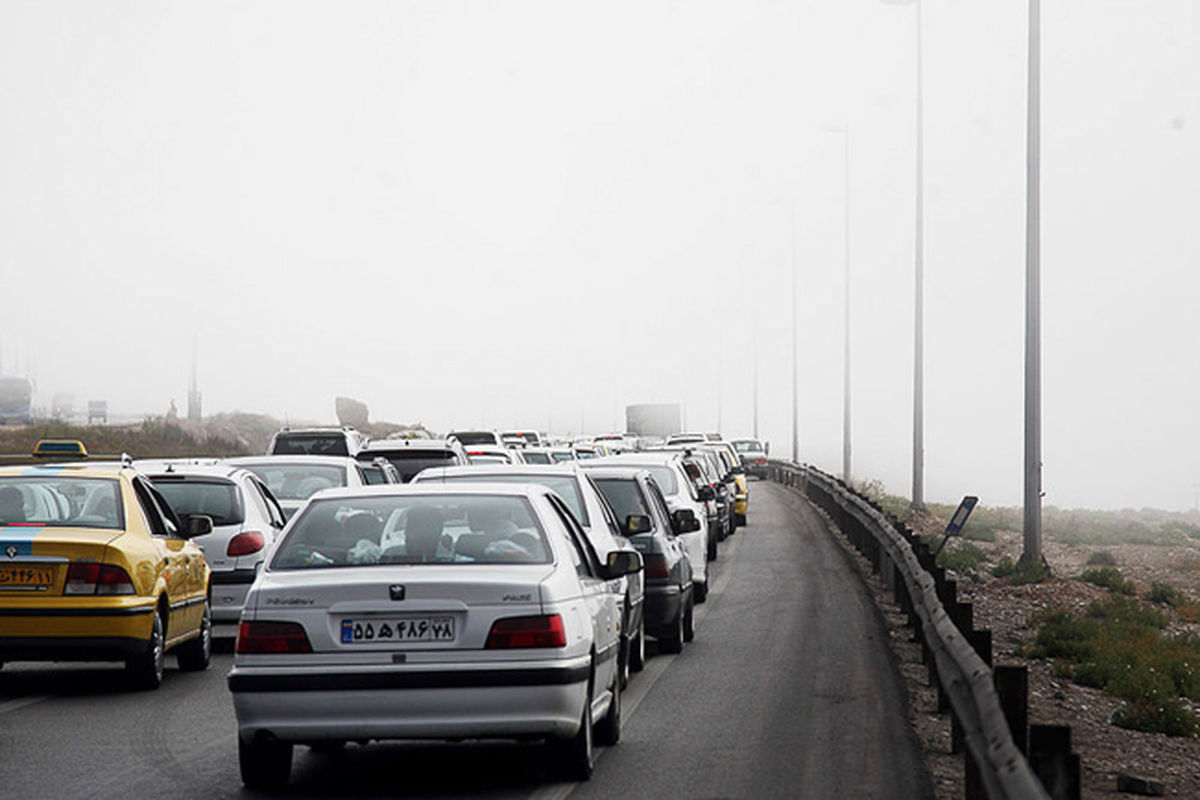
{"x": 795, "y": 354}
{"x": 846, "y": 311}
{"x": 1031, "y": 556}
{"x": 918, "y": 443}
{"x": 755, "y": 378}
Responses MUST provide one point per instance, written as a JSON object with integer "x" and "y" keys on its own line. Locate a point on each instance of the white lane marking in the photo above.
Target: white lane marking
{"x": 645, "y": 680}
{"x": 21, "y": 702}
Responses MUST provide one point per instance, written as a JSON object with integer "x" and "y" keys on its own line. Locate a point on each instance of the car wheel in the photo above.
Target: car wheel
{"x": 740, "y": 520}
{"x": 264, "y": 764}
{"x": 608, "y": 732}
{"x": 700, "y": 592}
{"x": 673, "y": 643}
{"x": 195, "y": 654}
{"x": 711, "y": 553}
{"x": 637, "y": 650}
{"x": 689, "y": 627}
{"x": 146, "y": 669}
{"x": 575, "y": 758}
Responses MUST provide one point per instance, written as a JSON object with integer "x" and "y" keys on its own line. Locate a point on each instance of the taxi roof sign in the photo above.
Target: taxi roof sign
{"x": 59, "y": 448}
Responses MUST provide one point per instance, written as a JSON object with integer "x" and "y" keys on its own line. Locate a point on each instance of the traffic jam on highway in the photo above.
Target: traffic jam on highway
{"x": 486, "y": 585}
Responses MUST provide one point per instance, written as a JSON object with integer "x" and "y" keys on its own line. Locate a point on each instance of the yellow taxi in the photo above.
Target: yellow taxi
{"x": 95, "y": 566}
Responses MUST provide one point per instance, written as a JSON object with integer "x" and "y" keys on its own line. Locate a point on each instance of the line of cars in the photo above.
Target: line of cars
{"x": 487, "y": 600}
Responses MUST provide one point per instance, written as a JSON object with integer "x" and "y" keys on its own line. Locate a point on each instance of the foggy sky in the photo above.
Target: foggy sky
{"x": 533, "y": 213}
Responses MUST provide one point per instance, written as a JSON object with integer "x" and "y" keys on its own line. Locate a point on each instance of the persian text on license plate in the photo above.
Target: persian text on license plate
{"x": 26, "y": 577}
{"x": 412, "y": 629}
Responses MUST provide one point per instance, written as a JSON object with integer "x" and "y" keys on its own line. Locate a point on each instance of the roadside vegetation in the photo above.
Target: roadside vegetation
{"x": 1119, "y": 645}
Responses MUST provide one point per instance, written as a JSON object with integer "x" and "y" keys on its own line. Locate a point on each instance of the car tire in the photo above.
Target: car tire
{"x": 575, "y": 758}
{"x": 740, "y": 520}
{"x": 195, "y": 655}
{"x": 689, "y": 627}
{"x": 145, "y": 670}
{"x": 700, "y": 592}
{"x": 264, "y": 764}
{"x": 637, "y": 649}
{"x": 608, "y": 732}
{"x": 711, "y": 552}
{"x": 673, "y": 643}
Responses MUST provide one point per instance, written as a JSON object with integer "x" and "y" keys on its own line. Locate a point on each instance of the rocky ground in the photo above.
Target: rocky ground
{"x": 1007, "y": 610}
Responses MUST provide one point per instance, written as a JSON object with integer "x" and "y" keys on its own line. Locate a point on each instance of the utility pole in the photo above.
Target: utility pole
{"x": 755, "y": 373}
{"x": 1031, "y": 556}
{"x": 918, "y": 444}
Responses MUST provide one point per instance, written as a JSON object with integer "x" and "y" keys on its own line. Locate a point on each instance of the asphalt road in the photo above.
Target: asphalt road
{"x": 788, "y": 691}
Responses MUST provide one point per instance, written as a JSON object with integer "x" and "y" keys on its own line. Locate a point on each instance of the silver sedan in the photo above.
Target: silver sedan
{"x": 430, "y": 612}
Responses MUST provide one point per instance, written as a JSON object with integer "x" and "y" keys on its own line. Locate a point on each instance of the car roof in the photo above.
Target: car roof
{"x": 191, "y": 470}
{"x": 565, "y": 468}
{"x": 386, "y": 445}
{"x": 318, "y": 460}
{"x": 401, "y": 489}
{"x": 640, "y": 457}
{"x": 631, "y": 472}
{"x": 97, "y": 469}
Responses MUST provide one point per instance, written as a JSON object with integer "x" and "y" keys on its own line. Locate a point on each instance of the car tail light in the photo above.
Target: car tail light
{"x": 245, "y": 543}
{"x": 97, "y": 579}
{"x": 655, "y": 565}
{"x": 541, "y": 631}
{"x": 272, "y": 637}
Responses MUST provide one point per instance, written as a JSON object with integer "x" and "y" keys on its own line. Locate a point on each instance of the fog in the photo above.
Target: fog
{"x": 533, "y": 213}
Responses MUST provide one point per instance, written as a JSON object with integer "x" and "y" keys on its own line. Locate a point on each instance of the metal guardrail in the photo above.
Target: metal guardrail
{"x": 995, "y": 764}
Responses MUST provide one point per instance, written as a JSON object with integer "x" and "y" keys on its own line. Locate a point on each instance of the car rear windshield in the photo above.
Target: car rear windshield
{"x": 414, "y": 529}
{"x": 565, "y": 486}
{"x": 374, "y": 474}
{"x": 60, "y": 502}
{"x": 537, "y": 458}
{"x": 310, "y": 444}
{"x": 409, "y": 462}
{"x": 625, "y": 497}
{"x": 476, "y": 437}
{"x": 298, "y": 481}
{"x": 217, "y": 499}
{"x": 663, "y": 476}
{"x": 747, "y": 446}
{"x": 561, "y": 457}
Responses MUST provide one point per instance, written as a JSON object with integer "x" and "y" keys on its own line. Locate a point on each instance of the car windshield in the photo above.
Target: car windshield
{"x": 63, "y": 502}
{"x": 409, "y": 462}
{"x": 217, "y": 499}
{"x": 414, "y": 529}
{"x": 310, "y": 444}
{"x": 625, "y": 497}
{"x": 565, "y": 486}
{"x": 298, "y": 481}
{"x": 747, "y": 446}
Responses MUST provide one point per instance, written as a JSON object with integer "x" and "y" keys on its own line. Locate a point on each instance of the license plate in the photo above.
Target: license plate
{"x": 26, "y": 577}
{"x": 408, "y": 629}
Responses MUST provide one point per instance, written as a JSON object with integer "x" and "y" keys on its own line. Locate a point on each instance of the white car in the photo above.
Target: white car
{"x": 294, "y": 479}
{"x": 246, "y": 518}
{"x": 679, "y": 491}
{"x": 598, "y": 521}
{"x": 382, "y": 614}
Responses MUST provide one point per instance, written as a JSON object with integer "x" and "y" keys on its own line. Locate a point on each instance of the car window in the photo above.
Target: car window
{"x": 274, "y": 510}
{"x": 298, "y": 481}
{"x": 310, "y": 444}
{"x": 219, "y": 500}
{"x": 156, "y": 519}
{"x": 625, "y": 497}
{"x": 658, "y": 501}
{"x": 409, "y": 462}
{"x": 586, "y": 562}
{"x": 53, "y": 500}
{"x": 565, "y": 486}
{"x": 414, "y": 529}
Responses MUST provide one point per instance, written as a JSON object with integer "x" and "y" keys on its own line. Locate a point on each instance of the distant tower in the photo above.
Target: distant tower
{"x": 193, "y": 397}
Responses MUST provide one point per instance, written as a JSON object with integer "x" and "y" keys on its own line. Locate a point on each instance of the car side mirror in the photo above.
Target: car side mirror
{"x": 739, "y": 470}
{"x": 197, "y": 525}
{"x": 705, "y": 493}
{"x": 637, "y": 523}
{"x": 684, "y": 521}
{"x": 622, "y": 562}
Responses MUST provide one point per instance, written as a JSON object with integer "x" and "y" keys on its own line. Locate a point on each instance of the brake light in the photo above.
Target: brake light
{"x": 106, "y": 579}
{"x": 655, "y": 565}
{"x": 272, "y": 637}
{"x": 245, "y": 543}
{"x": 541, "y": 631}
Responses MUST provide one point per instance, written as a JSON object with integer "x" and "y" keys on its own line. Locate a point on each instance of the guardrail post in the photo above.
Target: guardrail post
{"x": 1012, "y": 685}
{"x": 1053, "y": 762}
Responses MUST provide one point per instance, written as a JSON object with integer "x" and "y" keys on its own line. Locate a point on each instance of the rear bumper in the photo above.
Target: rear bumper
{"x": 70, "y": 648}
{"x": 298, "y": 705}
{"x": 662, "y": 605}
{"x": 60, "y": 628}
